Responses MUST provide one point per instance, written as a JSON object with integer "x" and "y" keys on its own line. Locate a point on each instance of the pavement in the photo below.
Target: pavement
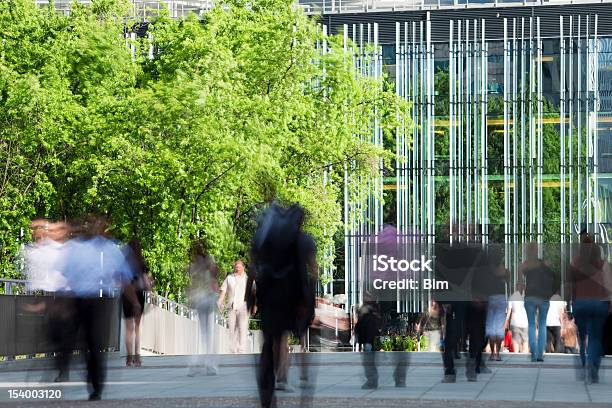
{"x": 336, "y": 380}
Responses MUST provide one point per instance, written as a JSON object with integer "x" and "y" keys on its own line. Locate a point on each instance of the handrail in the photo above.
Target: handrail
{"x": 24, "y": 289}
{"x": 170, "y": 305}
{"x": 150, "y": 298}
{"x": 180, "y": 8}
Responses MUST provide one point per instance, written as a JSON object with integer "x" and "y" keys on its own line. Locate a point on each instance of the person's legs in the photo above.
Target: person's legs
{"x": 450, "y": 339}
{"x": 524, "y": 340}
{"x": 581, "y": 318}
{"x": 62, "y": 325}
{"x": 558, "y": 346}
{"x": 242, "y": 317}
{"x": 494, "y": 323}
{"x": 129, "y": 340}
{"x": 516, "y": 346}
{"x": 137, "y": 320}
{"x": 281, "y": 360}
{"x": 549, "y": 339}
{"x": 304, "y": 368}
{"x": 477, "y": 316}
{"x": 492, "y": 347}
{"x": 543, "y": 311}
{"x": 401, "y": 367}
{"x": 233, "y": 332}
{"x": 369, "y": 365}
{"x": 530, "y": 309}
{"x": 209, "y": 338}
{"x": 517, "y": 339}
{"x": 599, "y": 312}
{"x": 265, "y": 377}
{"x": 93, "y": 315}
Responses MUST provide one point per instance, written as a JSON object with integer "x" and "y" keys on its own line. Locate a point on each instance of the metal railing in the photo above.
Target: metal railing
{"x": 14, "y": 286}
{"x": 145, "y": 9}
{"x": 21, "y": 287}
{"x": 170, "y": 305}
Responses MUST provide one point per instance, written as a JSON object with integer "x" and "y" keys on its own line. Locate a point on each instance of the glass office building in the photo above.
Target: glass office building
{"x": 510, "y": 139}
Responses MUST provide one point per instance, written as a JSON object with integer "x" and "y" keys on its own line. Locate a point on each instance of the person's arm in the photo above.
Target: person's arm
{"x": 508, "y": 317}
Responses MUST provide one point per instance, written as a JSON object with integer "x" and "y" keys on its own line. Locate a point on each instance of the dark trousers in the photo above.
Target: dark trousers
{"x": 90, "y": 318}
{"x": 61, "y": 323}
{"x": 400, "y": 361}
{"x": 553, "y": 339}
{"x": 266, "y": 376}
{"x": 476, "y": 320}
{"x": 473, "y": 315}
{"x": 455, "y": 312}
{"x": 590, "y": 318}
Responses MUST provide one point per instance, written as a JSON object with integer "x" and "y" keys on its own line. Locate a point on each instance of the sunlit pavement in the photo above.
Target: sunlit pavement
{"x": 163, "y": 382}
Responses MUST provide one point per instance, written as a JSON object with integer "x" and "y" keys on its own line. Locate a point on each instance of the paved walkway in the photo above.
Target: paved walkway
{"x": 162, "y": 382}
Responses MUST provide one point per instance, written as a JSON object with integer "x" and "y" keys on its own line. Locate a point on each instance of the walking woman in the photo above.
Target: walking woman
{"x": 133, "y": 300}
{"x": 540, "y": 284}
{"x": 588, "y": 287}
{"x": 496, "y": 310}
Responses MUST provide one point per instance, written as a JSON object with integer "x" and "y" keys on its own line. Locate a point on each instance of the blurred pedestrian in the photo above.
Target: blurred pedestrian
{"x": 430, "y": 326}
{"x": 589, "y": 288}
{"x": 203, "y": 295}
{"x": 94, "y": 265}
{"x": 516, "y": 319}
{"x": 540, "y": 284}
{"x": 367, "y": 329}
{"x": 279, "y": 253}
{"x": 496, "y": 310}
{"x": 133, "y": 300}
{"x": 234, "y": 286}
{"x": 44, "y": 269}
{"x": 553, "y": 324}
{"x": 454, "y": 263}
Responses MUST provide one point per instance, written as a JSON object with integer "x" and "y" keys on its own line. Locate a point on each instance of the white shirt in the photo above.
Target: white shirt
{"x": 234, "y": 287}
{"x": 519, "y": 315}
{"x": 553, "y": 318}
{"x": 44, "y": 265}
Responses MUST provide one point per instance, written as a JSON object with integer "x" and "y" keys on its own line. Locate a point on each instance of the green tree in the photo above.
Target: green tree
{"x": 185, "y": 137}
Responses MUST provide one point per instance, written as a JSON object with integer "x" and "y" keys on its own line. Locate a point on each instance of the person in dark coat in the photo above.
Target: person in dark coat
{"x": 282, "y": 255}
{"x": 367, "y": 328}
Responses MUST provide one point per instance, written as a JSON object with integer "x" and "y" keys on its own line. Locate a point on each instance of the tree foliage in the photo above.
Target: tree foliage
{"x": 184, "y": 132}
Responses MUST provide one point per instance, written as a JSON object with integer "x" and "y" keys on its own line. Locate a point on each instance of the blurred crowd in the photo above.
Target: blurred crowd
{"x": 82, "y": 266}
{"x": 84, "y": 269}
{"x": 545, "y": 312}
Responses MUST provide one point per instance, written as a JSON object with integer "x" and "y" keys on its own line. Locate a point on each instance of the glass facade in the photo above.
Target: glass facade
{"x": 509, "y": 141}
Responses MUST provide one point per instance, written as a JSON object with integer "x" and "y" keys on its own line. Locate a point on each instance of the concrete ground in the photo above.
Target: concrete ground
{"x": 163, "y": 382}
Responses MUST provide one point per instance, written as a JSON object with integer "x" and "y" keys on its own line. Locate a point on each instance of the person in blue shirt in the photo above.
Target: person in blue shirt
{"x": 95, "y": 266}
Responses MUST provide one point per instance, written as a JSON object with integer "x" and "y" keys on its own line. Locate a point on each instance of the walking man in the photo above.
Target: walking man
{"x": 283, "y": 256}
{"x": 234, "y": 287}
